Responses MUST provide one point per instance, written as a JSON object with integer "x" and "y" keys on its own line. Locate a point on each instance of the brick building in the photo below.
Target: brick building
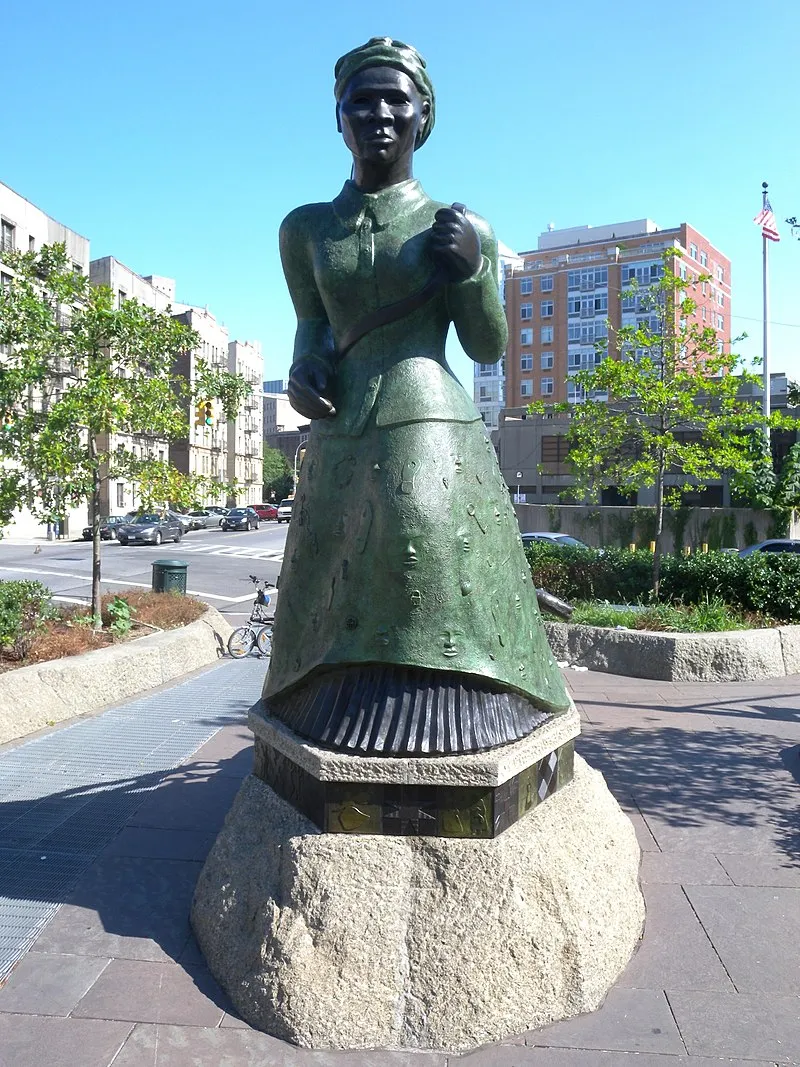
{"x": 561, "y": 298}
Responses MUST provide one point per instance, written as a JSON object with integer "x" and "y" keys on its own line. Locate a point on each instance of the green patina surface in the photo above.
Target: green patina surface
{"x": 403, "y": 547}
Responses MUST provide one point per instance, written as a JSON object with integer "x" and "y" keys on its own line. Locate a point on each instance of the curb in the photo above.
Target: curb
{"x": 43, "y": 694}
{"x": 733, "y": 656}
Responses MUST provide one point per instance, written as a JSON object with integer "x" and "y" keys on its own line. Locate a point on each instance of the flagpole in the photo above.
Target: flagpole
{"x": 765, "y": 404}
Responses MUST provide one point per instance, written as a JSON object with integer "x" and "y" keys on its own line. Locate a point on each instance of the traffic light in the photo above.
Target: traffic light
{"x": 204, "y": 413}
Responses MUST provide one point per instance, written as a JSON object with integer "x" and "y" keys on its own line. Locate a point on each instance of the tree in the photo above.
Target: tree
{"x": 79, "y": 372}
{"x": 278, "y": 478}
{"x": 787, "y": 494}
{"x": 667, "y": 404}
{"x": 793, "y": 395}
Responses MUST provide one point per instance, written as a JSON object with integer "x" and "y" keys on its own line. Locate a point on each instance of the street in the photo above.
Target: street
{"x": 219, "y": 565}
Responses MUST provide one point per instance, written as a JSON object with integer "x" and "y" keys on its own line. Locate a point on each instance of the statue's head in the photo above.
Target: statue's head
{"x": 385, "y": 104}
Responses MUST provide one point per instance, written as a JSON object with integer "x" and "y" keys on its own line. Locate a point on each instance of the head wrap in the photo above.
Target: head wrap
{"x": 384, "y": 52}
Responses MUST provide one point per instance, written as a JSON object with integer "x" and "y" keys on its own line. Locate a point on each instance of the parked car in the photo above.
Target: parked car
{"x": 184, "y": 520}
{"x": 240, "y": 519}
{"x": 217, "y": 509}
{"x": 285, "y": 510}
{"x": 108, "y": 528}
{"x": 775, "y": 544}
{"x": 265, "y": 511}
{"x": 202, "y": 518}
{"x": 150, "y": 527}
{"x": 554, "y": 539}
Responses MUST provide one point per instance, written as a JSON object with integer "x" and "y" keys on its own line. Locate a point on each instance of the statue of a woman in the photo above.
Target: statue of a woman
{"x": 407, "y": 620}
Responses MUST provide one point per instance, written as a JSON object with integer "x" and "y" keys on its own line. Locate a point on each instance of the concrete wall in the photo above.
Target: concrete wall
{"x": 617, "y": 527}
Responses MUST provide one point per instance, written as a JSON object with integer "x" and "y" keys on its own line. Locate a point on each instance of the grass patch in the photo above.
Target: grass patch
{"x": 712, "y": 616}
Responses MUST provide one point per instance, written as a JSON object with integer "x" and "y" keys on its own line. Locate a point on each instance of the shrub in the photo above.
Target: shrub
{"x": 24, "y": 607}
{"x": 766, "y": 583}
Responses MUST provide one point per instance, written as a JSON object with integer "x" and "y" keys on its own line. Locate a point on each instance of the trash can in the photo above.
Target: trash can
{"x": 169, "y": 575}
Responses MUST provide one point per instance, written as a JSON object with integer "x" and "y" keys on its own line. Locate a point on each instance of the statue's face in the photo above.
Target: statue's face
{"x": 380, "y": 114}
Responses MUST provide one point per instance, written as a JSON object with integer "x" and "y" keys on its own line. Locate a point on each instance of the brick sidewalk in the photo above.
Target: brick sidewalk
{"x": 709, "y": 775}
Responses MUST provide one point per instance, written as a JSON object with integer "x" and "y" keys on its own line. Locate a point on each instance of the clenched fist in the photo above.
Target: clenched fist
{"x": 307, "y": 383}
{"x": 455, "y": 244}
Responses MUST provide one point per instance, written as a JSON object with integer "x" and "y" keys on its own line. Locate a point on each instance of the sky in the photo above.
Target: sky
{"x": 177, "y": 135}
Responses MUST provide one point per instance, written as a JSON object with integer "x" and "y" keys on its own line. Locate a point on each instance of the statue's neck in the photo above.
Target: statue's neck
{"x": 369, "y": 178}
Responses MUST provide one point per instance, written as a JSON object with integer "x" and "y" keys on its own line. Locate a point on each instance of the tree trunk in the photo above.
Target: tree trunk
{"x": 95, "y": 532}
{"x": 659, "y": 527}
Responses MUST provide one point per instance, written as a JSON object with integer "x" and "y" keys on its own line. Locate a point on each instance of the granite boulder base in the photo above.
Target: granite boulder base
{"x": 362, "y": 940}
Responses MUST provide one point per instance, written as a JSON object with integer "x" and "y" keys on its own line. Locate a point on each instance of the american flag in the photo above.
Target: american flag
{"x": 766, "y": 220}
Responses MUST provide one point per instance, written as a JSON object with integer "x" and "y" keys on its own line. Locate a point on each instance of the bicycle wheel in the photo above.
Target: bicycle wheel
{"x": 241, "y": 641}
{"x": 264, "y": 640}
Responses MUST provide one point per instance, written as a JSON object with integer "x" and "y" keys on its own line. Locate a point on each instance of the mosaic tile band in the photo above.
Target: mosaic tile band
{"x": 414, "y": 810}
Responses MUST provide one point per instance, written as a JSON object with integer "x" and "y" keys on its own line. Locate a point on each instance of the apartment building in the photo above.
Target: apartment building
{"x": 489, "y": 378}
{"x": 245, "y": 432}
{"x": 562, "y": 297}
{"x": 25, "y": 227}
{"x": 279, "y": 414}
{"x": 119, "y": 494}
{"x": 205, "y": 451}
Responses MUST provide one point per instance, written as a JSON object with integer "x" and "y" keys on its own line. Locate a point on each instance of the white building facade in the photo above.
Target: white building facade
{"x": 25, "y": 228}
{"x": 245, "y": 432}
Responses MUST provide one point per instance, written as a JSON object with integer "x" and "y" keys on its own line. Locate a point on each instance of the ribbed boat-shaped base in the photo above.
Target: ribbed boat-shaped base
{"x": 400, "y": 711}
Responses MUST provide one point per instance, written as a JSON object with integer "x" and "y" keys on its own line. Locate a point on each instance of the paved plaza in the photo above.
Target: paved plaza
{"x": 104, "y": 825}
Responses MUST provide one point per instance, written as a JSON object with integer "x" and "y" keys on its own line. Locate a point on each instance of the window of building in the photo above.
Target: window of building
{"x": 526, "y": 388}
{"x": 6, "y": 236}
{"x": 546, "y": 283}
{"x": 120, "y": 494}
{"x": 573, "y": 305}
{"x": 703, "y": 259}
{"x": 720, "y": 322}
{"x": 122, "y": 296}
{"x": 5, "y": 281}
{"x": 546, "y": 335}
{"x": 693, "y": 251}
{"x": 576, "y": 394}
{"x": 703, "y": 314}
{"x": 546, "y": 307}
{"x": 486, "y": 369}
{"x": 526, "y": 337}
{"x": 720, "y": 274}
{"x": 573, "y": 331}
{"x": 31, "y": 243}
{"x": 555, "y": 451}
{"x": 526, "y": 311}
{"x": 526, "y": 361}
{"x": 720, "y": 299}
{"x": 600, "y": 276}
{"x": 682, "y": 271}
{"x": 546, "y": 361}
{"x": 574, "y": 279}
{"x": 574, "y": 360}
{"x": 546, "y": 387}
{"x": 526, "y": 286}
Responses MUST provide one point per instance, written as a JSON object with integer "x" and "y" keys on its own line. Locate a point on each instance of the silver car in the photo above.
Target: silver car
{"x": 204, "y": 518}
{"x": 150, "y": 528}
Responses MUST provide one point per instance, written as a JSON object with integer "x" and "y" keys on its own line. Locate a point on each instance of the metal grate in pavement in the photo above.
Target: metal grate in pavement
{"x": 64, "y": 796}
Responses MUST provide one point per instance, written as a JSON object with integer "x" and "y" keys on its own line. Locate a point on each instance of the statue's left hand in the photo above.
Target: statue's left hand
{"x": 455, "y": 244}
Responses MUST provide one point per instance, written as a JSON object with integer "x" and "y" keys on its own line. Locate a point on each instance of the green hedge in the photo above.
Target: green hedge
{"x": 765, "y": 582}
{"x": 23, "y": 607}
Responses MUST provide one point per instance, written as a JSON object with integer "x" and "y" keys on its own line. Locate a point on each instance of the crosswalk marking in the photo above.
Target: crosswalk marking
{"x": 276, "y": 555}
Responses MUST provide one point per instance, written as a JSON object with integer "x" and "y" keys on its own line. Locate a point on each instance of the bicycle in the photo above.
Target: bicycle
{"x": 258, "y": 631}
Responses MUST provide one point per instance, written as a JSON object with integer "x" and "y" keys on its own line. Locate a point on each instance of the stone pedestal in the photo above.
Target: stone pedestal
{"x": 438, "y": 902}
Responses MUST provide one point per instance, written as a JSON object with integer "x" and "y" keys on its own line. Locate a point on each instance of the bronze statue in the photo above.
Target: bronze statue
{"x": 407, "y": 619}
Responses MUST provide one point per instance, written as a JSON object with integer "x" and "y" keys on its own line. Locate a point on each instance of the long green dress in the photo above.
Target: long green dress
{"x": 407, "y": 620}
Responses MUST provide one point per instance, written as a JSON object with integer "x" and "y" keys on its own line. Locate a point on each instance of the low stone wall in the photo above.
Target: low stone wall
{"x": 46, "y": 693}
{"x": 735, "y": 656}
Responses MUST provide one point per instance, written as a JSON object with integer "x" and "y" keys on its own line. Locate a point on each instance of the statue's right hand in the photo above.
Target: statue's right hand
{"x": 307, "y": 382}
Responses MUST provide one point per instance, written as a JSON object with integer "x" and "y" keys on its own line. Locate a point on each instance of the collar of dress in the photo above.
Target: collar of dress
{"x": 352, "y": 206}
